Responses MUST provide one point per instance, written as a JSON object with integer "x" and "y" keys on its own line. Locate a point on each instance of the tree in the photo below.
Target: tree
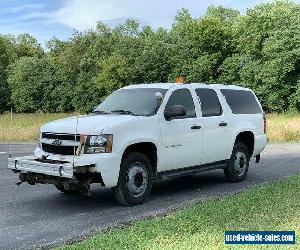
{"x": 6, "y": 57}
{"x": 225, "y": 14}
{"x": 31, "y": 82}
{"x": 259, "y": 49}
{"x": 114, "y": 73}
{"x": 268, "y": 36}
{"x": 204, "y": 69}
{"x": 26, "y": 45}
{"x": 202, "y": 38}
{"x": 153, "y": 63}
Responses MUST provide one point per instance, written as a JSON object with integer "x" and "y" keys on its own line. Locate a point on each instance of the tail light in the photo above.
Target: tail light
{"x": 265, "y": 124}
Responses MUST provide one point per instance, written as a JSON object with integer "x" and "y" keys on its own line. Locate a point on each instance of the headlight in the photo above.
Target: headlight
{"x": 98, "y": 144}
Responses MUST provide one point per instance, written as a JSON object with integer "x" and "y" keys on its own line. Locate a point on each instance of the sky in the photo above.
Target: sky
{"x": 45, "y": 19}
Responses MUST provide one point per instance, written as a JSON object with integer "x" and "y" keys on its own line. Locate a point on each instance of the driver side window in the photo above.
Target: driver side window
{"x": 183, "y": 97}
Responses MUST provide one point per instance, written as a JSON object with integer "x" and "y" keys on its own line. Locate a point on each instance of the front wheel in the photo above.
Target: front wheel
{"x": 135, "y": 180}
{"x": 237, "y": 168}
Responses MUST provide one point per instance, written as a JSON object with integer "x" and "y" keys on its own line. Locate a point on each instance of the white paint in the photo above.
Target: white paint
{"x": 177, "y": 144}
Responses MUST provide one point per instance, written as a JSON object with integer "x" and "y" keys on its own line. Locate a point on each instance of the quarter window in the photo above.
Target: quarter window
{"x": 210, "y": 104}
{"x": 241, "y": 101}
{"x": 183, "y": 97}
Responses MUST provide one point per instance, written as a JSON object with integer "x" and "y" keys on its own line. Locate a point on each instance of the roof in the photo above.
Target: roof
{"x": 220, "y": 86}
{"x": 169, "y": 85}
{"x": 151, "y": 85}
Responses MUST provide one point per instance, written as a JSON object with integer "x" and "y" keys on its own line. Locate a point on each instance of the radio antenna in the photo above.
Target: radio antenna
{"x": 75, "y": 138}
{"x": 10, "y": 132}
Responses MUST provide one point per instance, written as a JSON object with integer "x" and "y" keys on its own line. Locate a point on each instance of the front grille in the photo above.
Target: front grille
{"x": 61, "y": 150}
{"x": 63, "y": 137}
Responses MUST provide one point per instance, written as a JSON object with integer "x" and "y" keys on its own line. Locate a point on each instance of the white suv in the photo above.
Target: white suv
{"x": 145, "y": 132}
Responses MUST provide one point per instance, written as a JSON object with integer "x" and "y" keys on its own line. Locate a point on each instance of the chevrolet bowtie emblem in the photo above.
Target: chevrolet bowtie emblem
{"x": 57, "y": 142}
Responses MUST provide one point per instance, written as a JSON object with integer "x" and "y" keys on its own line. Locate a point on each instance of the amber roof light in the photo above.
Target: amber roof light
{"x": 179, "y": 80}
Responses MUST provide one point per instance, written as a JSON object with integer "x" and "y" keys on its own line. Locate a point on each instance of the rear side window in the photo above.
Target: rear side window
{"x": 241, "y": 101}
{"x": 210, "y": 104}
{"x": 183, "y": 97}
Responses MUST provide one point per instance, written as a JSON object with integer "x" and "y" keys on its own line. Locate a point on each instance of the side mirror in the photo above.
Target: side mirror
{"x": 159, "y": 98}
{"x": 174, "y": 112}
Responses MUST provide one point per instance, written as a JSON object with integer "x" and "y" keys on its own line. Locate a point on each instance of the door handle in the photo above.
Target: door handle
{"x": 195, "y": 127}
{"x": 223, "y": 124}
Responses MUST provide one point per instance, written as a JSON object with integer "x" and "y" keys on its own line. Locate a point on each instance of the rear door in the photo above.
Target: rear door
{"x": 181, "y": 138}
{"x": 215, "y": 126}
{"x": 247, "y": 110}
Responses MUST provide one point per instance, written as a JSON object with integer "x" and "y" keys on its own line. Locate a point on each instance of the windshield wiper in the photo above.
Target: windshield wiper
{"x": 101, "y": 112}
{"x": 124, "y": 112}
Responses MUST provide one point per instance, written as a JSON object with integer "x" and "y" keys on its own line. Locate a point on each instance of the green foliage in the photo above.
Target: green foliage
{"x": 153, "y": 63}
{"x": 4, "y": 61}
{"x": 12, "y": 49}
{"x": 32, "y": 82}
{"x": 204, "y": 42}
{"x": 267, "y": 47}
{"x": 259, "y": 49}
{"x": 204, "y": 68}
{"x": 26, "y": 45}
{"x": 114, "y": 72}
{"x": 223, "y": 13}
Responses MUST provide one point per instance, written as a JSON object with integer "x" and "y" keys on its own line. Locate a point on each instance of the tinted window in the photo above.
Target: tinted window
{"x": 241, "y": 101}
{"x": 183, "y": 97}
{"x": 210, "y": 104}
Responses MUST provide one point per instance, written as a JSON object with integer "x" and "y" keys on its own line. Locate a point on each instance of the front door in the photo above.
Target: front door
{"x": 181, "y": 138}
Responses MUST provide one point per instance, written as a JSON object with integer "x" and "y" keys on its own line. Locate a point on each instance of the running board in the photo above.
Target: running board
{"x": 192, "y": 170}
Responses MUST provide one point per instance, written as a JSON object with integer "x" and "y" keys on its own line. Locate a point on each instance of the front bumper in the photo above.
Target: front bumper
{"x": 29, "y": 164}
{"x": 108, "y": 165}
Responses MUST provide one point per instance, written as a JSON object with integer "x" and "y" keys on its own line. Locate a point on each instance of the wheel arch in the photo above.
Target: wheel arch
{"x": 247, "y": 138}
{"x": 148, "y": 148}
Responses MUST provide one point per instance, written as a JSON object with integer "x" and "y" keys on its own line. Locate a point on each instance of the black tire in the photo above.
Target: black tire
{"x": 136, "y": 165}
{"x": 237, "y": 168}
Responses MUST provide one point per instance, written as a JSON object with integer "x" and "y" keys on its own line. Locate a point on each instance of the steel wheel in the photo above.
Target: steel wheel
{"x": 240, "y": 163}
{"x": 237, "y": 168}
{"x": 137, "y": 179}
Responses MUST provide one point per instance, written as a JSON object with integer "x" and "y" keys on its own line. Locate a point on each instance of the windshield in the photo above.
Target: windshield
{"x": 139, "y": 101}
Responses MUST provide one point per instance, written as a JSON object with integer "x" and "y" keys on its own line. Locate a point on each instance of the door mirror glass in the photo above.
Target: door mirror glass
{"x": 174, "y": 112}
{"x": 159, "y": 98}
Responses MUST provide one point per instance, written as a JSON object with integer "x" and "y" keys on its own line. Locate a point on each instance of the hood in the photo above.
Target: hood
{"x": 86, "y": 124}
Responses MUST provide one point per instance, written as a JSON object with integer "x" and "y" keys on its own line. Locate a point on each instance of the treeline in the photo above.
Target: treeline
{"x": 259, "y": 49}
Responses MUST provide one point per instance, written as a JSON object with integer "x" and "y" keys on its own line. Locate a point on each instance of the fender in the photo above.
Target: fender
{"x": 244, "y": 126}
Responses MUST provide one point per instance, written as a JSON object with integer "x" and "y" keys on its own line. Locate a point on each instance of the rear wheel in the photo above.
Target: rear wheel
{"x": 135, "y": 180}
{"x": 237, "y": 169}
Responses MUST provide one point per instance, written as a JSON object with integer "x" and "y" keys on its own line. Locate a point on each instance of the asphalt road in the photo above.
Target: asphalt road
{"x": 35, "y": 216}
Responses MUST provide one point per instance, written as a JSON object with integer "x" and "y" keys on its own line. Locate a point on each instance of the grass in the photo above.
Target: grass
{"x": 24, "y": 127}
{"x": 281, "y": 127}
{"x": 273, "y": 206}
